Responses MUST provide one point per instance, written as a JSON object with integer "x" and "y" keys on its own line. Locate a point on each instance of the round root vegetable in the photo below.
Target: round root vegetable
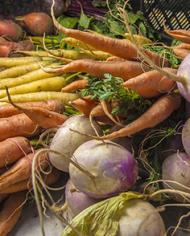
{"x": 124, "y": 215}
{"x": 140, "y": 218}
{"x": 76, "y": 201}
{"x": 37, "y": 23}
{"x": 184, "y": 70}
{"x": 186, "y": 136}
{"x": 113, "y": 169}
{"x": 13, "y": 149}
{"x": 176, "y": 168}
{"x": 10, "y": 29}
{"x": 66, "y": 141}
{"x": 10, "y": 48}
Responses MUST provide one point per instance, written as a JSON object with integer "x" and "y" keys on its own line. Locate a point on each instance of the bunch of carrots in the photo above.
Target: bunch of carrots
{"x": 19, "y": 123}
{"x": 35, "y": 87}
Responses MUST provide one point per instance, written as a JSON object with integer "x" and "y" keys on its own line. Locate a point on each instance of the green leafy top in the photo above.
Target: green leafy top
{"x": 101, "y": 219}
{"x": 111, "y": 89}
{"x": 165, "y": 52}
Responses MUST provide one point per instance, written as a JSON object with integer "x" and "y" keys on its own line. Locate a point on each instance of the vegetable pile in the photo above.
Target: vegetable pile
{"x": 101, "y": 102}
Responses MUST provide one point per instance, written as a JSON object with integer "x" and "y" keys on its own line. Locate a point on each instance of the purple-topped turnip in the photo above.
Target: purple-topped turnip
{"x": 76, "y": 201}
{"x": 184, "y": 71}
{"x": 176, "y": 167}
{"x": 113, "y": 168}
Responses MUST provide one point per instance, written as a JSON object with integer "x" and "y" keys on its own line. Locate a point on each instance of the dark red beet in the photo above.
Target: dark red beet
{"x": 10, "y": 29}
{"x": 8, "y": 48}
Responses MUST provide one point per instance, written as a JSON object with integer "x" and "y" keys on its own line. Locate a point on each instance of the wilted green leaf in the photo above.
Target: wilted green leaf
{"x": 101, "y": 219}
{"x": 68, "y": 22}
{"x": 84, "y": 20}
{"x": 116, "y": 27}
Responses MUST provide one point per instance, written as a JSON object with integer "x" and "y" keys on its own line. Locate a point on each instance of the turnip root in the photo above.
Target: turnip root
{"x": 37, "y": 23}
{"x": 140, "y": 218}
{"x": 176, "y": 168}
{"x": 112, "y": 166}
{"x": 123, "y": 215}
{"x": 76, "y": 201}
{"x": 186, "y": 136}
{"x": 66, "y": 141}
{"x": 184, "y": 70}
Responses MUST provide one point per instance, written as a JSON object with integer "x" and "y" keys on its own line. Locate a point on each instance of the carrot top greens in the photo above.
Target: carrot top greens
{"x": 111, "y": 89}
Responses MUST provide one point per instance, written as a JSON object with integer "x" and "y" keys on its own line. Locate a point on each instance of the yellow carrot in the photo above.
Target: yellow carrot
{"x": 77, "y": 43}
{"x": 139, "y": 39}
{"x": 17, "y": 61}
{"x": 27, "y": 78}
{"x": 42, "y": 96}
{"x": 70, "y": 54}
{"x": 48, "y": 84}
{"x": 21, "y": 70}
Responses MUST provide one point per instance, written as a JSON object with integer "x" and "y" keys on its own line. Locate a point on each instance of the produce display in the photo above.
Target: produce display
{"x": 95, "y": 105}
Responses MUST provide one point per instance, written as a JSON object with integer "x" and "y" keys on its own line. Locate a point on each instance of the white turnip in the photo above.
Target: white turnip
{"x": 176, "y": 167}
{"x": 123, "y": 215}
{"x": 186, "y": 136}
{"x": 113, "y": 167}
{"x": 67, "y": 141}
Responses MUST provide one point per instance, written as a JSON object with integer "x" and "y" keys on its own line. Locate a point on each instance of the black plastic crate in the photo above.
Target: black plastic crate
{"x": 175, "y": 14}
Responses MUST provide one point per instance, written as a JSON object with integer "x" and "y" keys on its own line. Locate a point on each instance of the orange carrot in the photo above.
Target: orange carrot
{"x": 151, "y": 83}
{"x": 157, "y": 113}
{"x": 11, "y": 211}
{"x": 84, "y": 106}
{"x": 53, "y": 105}
{"x": 72, "y": 87}
{"x": 21, "y": 170}
{"x": 97, "y": 111}
{"x": 17, "y": 125}
{"x": 182, "y": 35}
{"x": 114, "y": 58}
{"x": 117, "y": 47}
{"x": 183, "y": 46}
{"x": 13, "y": 149}
{"x": 42, "y": 117}
{"x": 181, "y": 53}
{"x": 48, "y": 179}
{"x": 124, "y": 69}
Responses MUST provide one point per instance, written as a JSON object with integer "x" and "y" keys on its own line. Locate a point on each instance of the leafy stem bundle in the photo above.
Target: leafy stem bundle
{"x": 127, "y": 103}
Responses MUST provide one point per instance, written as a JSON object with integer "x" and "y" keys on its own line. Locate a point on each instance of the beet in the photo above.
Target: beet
{"x": 10, "y": 29}
{"x": 37, "y": 23}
